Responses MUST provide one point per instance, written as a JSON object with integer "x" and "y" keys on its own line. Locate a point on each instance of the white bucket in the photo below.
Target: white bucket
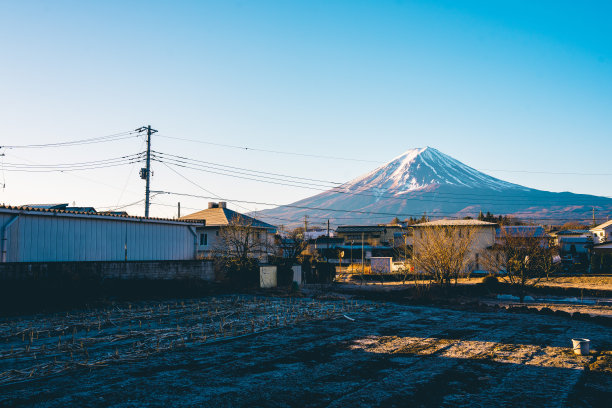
{"x": 581, "y": 346}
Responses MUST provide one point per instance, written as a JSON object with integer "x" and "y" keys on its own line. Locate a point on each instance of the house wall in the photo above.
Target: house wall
{"x": 601, "y": 235}
{"x": 32, "y": 236}
{"x": 484, "y": 237}
{"x": 214, "y": 242}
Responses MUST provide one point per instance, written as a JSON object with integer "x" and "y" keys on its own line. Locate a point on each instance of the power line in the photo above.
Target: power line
{"x": 435, "y": 214}
{"x": 199, "y": 186}
{"x": 412, "y": 195}
{"x": 99, "y": 139}
{"x": 216, "y": 168}
{"x": 61, "y": 167}
{"x": 187, "y": 159}
{"x": 254, "y": 149}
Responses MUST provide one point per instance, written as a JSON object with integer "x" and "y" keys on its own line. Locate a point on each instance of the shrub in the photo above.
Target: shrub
{"x": 490, "y": 282}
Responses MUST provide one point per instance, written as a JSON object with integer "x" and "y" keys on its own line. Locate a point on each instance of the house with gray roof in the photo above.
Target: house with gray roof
{"x": 217, "y": 218}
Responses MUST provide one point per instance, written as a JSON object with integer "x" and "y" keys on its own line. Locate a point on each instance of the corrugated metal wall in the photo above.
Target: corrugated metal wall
{"x": 54, "y": 237}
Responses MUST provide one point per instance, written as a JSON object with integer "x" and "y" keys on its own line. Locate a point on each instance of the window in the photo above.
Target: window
{"x": 203, "y": 239}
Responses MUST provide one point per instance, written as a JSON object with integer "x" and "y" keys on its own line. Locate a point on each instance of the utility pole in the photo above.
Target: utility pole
{"x": 305, "y": 224}
{"x": 145, "y": 173}
{"x": 328, "y": 236}
{"x": 362, "y": 264}
{"x": 179, "y": 210}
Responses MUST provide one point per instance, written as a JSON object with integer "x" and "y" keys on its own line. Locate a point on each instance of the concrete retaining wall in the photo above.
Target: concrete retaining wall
{"x": 154, "y": 270}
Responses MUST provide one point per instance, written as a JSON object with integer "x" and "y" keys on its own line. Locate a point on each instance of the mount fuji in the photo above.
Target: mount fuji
{"x": 425, "y": 180}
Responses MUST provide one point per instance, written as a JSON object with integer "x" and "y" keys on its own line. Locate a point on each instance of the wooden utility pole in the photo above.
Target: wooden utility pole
{"x": 362, "y": 264}
{"x": 179, "y": 210}
{"x": 145, "y": 173}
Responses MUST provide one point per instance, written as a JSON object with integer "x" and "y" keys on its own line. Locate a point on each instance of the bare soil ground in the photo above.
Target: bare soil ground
{"x": 597, "y": 282}
{"x": 591, "y": 282}
{"x": 390, "y": 355}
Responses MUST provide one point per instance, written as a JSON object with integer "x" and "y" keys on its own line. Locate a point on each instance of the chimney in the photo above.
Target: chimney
{"x": 222, "y": 204}
{"x": 213, "y": 205}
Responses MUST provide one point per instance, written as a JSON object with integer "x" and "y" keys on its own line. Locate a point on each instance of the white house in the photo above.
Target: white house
{"x": 602, "y": 233}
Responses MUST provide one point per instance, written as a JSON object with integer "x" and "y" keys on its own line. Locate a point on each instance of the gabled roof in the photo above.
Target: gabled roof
{"x": 456, "y": 223}
{"x": 218, "y": 217}
{"x": 602, "y": 226}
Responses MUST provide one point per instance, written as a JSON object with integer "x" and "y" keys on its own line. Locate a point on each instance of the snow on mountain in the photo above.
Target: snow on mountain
{"x": 423, "y": 168}
{"x": 425, "y": 180}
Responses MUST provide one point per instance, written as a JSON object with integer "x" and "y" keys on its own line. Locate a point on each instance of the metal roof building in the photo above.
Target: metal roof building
{"x": 50, "y": 235}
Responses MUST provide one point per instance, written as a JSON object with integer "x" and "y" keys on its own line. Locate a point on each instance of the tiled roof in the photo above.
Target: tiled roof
{"x": 224, "y": 216}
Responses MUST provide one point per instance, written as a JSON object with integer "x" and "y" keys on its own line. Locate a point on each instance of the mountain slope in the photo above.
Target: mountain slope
{"x": 426, "y": 180}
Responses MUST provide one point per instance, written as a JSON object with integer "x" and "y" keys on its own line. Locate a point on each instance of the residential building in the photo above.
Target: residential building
{"x": 217, "y": 217}
{"x": 375, "y": 235}
{"x": 484, "y": 236}
{"x": 602, "y": 233}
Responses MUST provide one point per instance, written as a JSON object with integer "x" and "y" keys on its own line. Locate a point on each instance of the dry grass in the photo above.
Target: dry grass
{"x": 585, "y": 282}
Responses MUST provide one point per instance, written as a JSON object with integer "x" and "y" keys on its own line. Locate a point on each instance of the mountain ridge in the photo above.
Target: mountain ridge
{"x": 425, "y": 180}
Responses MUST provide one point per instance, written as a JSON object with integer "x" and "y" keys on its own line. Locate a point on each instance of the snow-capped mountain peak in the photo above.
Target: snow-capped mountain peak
{"x": 423, "y": 168}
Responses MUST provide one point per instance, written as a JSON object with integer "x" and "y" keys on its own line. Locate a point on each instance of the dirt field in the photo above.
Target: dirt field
{"x": 602, "y": 282}
{"x": 599, "y": 282}
{"x": 390, "y": 355}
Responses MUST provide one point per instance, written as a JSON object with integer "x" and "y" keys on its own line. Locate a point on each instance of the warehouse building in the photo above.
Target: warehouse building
{"x": 53, "y": 235}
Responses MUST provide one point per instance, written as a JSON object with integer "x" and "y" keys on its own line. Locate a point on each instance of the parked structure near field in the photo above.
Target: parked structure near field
{"x": 54, "y": 235}
{"x": 220, "y": 228}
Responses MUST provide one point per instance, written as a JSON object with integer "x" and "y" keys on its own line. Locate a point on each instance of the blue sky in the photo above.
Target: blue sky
{"x": 499, "y": 85}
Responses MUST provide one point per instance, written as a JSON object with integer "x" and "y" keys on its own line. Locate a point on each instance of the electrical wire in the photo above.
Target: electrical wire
{"x": 200, "y": 187}
{"x": 99, "y": 139}
{"x": 343, "y": 187}
{"x": 395, "y": 214}
{"x": 247, "y": 148}
{"x": 412, "y": 195}
{"x": 255, "y": 149}
{"x": 61, "y": 167}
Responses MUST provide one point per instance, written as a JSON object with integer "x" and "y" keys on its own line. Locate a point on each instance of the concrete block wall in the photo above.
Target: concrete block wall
{"x": 135, "y": 270}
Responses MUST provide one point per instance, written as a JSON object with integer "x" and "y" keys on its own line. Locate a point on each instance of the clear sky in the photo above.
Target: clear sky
{"x": 500, "y": 85}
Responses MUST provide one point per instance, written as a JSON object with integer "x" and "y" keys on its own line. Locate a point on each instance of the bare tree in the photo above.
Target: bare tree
{"x": 239, "y": 248}
{"x": 524, "y": 257}
{"x": 443, "y": 251}
{"x": 240, "y": 239}
{"x": 293, "y": 245}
